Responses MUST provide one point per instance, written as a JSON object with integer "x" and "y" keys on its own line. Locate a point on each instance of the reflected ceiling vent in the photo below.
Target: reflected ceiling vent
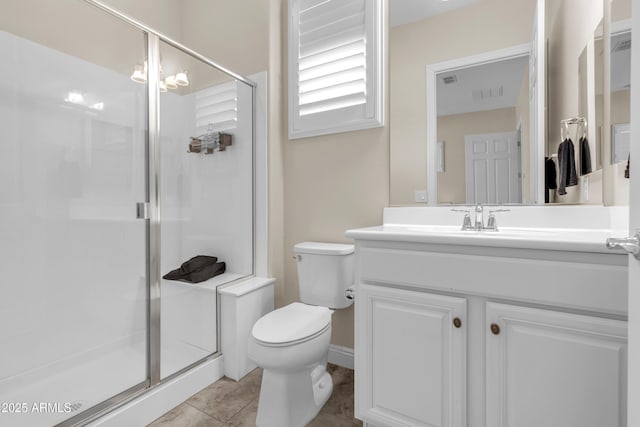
{"x": 484, "y": 94}
{"x": 622, "y": 45}
{"x": 449, "y": 79}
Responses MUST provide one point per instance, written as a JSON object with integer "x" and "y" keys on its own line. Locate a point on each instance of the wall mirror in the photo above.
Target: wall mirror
{"x": 474, "y": 114}
{"x": 480, "y": 119}
{"x": 616, "y": 149}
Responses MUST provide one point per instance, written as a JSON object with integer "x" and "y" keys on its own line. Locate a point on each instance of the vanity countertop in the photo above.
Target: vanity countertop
{"x": 562, "y": 228}
{"x": 561, "y": 239}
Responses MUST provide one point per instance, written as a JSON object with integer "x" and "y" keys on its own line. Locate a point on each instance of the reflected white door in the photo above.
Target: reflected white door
{"x": 492, "y": 168}
{"x": 634, "y": 224}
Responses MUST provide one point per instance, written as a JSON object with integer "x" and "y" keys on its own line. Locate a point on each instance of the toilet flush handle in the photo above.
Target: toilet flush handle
{"x": 350, "y": 294}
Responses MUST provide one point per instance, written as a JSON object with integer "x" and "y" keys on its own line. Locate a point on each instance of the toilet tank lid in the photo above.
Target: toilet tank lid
{"x": 291, "y": 323}
{"x": 323, "y": 248}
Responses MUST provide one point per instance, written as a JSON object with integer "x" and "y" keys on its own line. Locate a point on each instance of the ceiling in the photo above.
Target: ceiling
{"x": 481, "y": 87}
{"x": 405, "y": 11}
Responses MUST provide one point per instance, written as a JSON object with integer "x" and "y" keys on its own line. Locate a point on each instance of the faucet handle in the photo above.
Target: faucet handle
{"x": 491, "y": 222}
{"x": 466, "y": 222}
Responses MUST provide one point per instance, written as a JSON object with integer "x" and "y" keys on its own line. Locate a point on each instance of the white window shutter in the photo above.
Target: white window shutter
{"x": 217, "y": 108}
{"x": 335, "y": 66}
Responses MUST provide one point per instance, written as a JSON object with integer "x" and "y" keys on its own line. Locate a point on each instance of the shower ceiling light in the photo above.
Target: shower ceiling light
{"x": 171, "y": 82}
{"x": 139, "y": 74}
{"x": 78, "y": 98}
{"x": 75, "y": 98}
{"x": 182, "y": 79}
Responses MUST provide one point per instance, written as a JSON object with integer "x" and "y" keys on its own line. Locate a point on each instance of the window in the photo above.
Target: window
{"x": 335, "y": 66}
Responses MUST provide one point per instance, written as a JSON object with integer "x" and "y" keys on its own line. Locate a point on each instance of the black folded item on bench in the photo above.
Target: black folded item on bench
{"x": 197, "y": 269}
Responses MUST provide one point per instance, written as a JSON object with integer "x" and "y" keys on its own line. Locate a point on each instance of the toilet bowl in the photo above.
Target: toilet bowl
{"x": 291, "y": 343}
{"x": 295, "y": 383}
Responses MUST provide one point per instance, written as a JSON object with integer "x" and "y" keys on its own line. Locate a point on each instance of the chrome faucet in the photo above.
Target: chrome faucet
{"x": 466, "y": 221}
{"x": 479, "y": 219}
{"x": 478, "y": 223}
{"x": 491, "y": 221}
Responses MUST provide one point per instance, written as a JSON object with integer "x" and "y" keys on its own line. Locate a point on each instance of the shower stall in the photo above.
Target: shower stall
{"x": 123, "y": 154}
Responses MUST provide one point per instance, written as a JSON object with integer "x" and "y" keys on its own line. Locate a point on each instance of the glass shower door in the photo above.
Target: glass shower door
{"x": 73, "y": 292}
{"x": 206, "y": 200}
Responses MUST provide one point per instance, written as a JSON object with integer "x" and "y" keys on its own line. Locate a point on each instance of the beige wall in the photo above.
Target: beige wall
{"x": 478, "y": 28}
{"x": 331, "y": 183}
{"x": 620, "y": 9}
{"x": 452, "y": 130}
{"x": 276, "y": 255}
{"x": 234, "y": 34}
{"x": 77, "y": 29}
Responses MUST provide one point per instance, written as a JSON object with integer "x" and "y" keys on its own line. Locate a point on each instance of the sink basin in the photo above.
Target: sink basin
{"x": 434, "y": 229}
{"x": 522, "y": 232}
{"x": 568, "y": 239}
{"x": 502, "y": 232}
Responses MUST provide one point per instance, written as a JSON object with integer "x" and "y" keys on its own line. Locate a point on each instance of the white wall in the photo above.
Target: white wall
{"x": 71, "y": 248}
{"x": 71, "y": 251}
{"x": 206, "y": 209}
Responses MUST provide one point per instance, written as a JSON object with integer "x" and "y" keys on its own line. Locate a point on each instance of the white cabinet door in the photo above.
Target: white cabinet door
{"x": 553, "y": 369}
{"x": 410, "y": 358}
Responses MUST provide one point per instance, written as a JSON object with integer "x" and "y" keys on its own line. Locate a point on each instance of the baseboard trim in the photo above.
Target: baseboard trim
{"x": 341, "y": 356}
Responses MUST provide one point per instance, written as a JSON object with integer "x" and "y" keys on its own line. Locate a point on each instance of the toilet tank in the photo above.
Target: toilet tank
{"x": 325, "y": 271}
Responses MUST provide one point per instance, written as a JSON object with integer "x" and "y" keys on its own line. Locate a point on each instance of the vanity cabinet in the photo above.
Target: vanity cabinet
{"x": 550, "y": 368}
{"x": 414, "y": 370}
{"x": 542, "y": 336}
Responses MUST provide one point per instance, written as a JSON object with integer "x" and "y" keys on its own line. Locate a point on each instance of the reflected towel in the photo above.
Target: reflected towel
{"x": 566, "y": 166}
{"x": 197, "y": 269}
{"x": 550, "y": 177}
{"x": 585, "y": 156}
{"x": 626, "y": 170}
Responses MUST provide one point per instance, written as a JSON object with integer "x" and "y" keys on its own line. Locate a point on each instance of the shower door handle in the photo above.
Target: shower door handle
{"x": 142, "y": 210}
{"x": 629, "y": 244}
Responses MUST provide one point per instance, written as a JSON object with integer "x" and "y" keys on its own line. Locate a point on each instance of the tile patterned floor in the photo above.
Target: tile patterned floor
{"x": 230, "y": 403}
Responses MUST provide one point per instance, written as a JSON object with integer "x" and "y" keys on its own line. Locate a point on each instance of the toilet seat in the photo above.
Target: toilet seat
{"x": 292, "y": 324}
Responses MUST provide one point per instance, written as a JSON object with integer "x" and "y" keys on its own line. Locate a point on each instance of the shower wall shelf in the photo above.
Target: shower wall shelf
{"x": 210, "y": 142}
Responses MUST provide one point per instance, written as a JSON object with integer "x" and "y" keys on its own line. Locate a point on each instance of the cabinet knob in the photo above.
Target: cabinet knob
{"x": 495, "y": 329}
{"x": 457, "y": 322}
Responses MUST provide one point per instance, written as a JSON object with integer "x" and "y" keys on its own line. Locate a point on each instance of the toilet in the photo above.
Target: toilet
{"x": 291, "y": 343}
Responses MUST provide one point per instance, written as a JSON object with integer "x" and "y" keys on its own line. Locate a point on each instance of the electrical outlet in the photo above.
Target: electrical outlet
{"x": 420, "y": 196}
